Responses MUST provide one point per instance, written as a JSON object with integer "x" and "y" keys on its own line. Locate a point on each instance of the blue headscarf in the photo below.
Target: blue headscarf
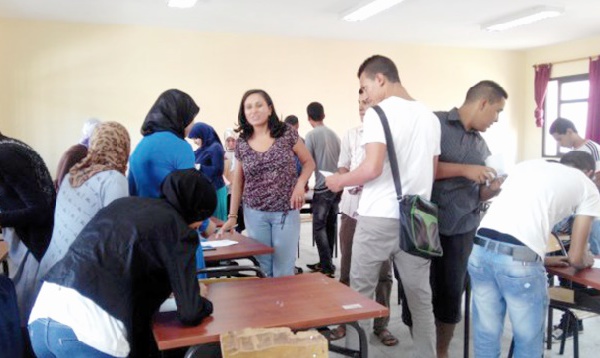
{"x": 210, "y": 141}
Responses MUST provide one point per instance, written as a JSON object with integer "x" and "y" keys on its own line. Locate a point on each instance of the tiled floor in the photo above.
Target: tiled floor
{"x": 589, "y": 341}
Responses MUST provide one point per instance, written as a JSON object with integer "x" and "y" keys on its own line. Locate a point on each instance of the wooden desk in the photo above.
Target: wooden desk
{"x": 245, "y": 248}
{"x": 292, "y": 301}
{"x": 589, "y": 277}
{"x": 4, "y": 256}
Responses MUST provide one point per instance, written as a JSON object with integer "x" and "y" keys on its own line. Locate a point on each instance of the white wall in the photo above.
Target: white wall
{"x": 56, "y": 74}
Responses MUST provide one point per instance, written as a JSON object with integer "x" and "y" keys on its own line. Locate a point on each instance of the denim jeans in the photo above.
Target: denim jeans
{"x": 279, "y": 230}
{"x": 500, "y": 285}
{"x": 52, "y": 339}
{"x": 594, "y": 239}
{"x": 325, "y": 209}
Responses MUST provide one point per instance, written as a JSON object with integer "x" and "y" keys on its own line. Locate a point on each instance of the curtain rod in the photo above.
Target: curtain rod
{"x": 571, "y": 60}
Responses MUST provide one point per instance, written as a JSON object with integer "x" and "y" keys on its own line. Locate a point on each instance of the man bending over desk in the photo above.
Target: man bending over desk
{"x": 506, "y": 265}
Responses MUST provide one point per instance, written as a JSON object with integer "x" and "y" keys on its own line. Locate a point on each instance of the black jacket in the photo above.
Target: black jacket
{"x": 27, "y": 195}
{"x": 128, "y": 260}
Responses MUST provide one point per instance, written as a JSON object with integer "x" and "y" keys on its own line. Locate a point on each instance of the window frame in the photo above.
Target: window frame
{"x": 546, "y": 127}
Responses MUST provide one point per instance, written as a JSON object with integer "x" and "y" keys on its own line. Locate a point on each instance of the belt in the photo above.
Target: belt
{"x": 518, "y": 253}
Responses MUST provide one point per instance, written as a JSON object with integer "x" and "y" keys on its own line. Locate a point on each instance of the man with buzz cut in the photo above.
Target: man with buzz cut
{"x": 459, "y": 190}
{"x": 416, "y": 137}
{"x": 324, "y": 146}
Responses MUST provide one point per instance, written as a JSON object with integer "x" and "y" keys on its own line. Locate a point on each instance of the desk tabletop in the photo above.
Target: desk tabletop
{"x": 3, "y": 250}
{"x": 246, "y": 247}
{"x": 589, "y": 277}
{"x": 292, "y": 301}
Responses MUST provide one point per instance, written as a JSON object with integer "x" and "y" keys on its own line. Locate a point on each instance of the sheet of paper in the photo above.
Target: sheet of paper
{"x": 168, "y": 306}
{"x": 596, "y": 263}
{"x": 325, "y": 173}
{"x": 218, "y": 243}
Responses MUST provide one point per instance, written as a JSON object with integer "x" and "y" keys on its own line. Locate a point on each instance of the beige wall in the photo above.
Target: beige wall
{"x": 530, "y": 141}
{"x": 55, "y": 75}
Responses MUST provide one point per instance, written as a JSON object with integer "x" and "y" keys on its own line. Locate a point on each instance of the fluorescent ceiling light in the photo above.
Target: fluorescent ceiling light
{"x": 523, "y": 18}
{"x": 181, "y": 4}
{"x": 369, "y": 9}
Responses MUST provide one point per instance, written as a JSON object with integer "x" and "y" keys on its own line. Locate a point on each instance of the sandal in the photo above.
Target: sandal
{"x": 387, "y": 338}
{"x": 334, "y": 334}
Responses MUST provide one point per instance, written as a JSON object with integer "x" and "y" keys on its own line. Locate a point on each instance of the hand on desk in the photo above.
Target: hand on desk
{"x": 560, "y": 261}
{"x": 227, "y": 227}
{"x": 203, "y": 290}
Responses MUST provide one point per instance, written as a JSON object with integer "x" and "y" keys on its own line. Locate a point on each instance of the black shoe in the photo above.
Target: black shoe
{"x": 298, "y": 270}
{"x": 314, "y": 267}
{"x": 330, "y": 272}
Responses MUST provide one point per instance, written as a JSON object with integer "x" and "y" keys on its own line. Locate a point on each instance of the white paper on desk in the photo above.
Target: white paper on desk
{"x": 168, "y": 306}
{"x": 596, "y": 263}
{"x": 218, "y": 243}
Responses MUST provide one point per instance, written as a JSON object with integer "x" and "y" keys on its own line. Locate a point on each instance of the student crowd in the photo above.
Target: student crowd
{"x": 97, "y": 251}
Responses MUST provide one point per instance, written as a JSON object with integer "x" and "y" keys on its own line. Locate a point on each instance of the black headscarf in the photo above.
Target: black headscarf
{"x": 173, "y": 111}
{"x": 191, "y": 194}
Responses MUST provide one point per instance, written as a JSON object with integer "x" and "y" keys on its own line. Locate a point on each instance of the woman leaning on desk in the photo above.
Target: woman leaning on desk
{"x": 98, "y": 301}
{"x": 267, "y": 181}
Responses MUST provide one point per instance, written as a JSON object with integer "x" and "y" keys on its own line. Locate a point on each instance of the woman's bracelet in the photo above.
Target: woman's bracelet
{"x": 232, "y": 216}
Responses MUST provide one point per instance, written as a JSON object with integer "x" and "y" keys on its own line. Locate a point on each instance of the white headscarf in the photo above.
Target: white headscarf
{"x": 87, "y": 130}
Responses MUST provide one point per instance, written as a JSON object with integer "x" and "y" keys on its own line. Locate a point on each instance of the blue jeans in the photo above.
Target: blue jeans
{"x": 51, "y": 339}
{"x": 279, "y": 230}
{"x": 500, "y": 284}
{"x": 325, "y": 210}
{"x": 594, "y": 239}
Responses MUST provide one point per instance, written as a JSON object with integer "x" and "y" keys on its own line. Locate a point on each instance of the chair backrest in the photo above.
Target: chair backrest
{"x": 555, "y": 245}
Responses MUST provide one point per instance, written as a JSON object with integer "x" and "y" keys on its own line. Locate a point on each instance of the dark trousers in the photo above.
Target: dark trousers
{"x": 447, "y": 277}
{"x": 325, "y": 209}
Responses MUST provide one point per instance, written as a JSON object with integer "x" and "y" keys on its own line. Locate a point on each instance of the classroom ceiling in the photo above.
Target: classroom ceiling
{"x": 436, "y": 22}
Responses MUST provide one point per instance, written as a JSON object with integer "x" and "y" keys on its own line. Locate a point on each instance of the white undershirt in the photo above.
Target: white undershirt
{"x": 91, "y": 324}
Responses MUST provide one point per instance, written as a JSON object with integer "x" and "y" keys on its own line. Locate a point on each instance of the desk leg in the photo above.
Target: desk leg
{"x": 363, "y": 344}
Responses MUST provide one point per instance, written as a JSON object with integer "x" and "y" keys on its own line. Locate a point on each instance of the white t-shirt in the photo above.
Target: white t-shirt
{"x": 91, "y": 324}
{"x": 535, "y": 196}
{"x": 594, "y": 149}
{"x": 352, "y": 153}
{"x": 416, "y": 134}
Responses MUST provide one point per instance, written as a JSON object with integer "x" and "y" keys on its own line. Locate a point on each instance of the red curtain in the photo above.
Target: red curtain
{"x": 593, "y": 120}
{"x": 542, "y": 76}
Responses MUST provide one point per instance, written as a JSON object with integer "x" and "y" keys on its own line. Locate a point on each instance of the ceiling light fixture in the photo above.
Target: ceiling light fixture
{"x": 181, "y": 4}
{"x": 524, "y": 17}
{"x": 369, "y": 9}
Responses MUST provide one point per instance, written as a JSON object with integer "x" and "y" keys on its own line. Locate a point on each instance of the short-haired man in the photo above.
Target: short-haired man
{"x": 459, "y": 189}
{"x": 416, "y": 135}
{"x": 324, "y": 146}
{"x": 351, "y": 155}
{"x": 565, "y": 134}
{"x": 507, "y": 263}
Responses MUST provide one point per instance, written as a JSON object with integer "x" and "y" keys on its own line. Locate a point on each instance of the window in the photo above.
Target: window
{"x": 566, "y": 97}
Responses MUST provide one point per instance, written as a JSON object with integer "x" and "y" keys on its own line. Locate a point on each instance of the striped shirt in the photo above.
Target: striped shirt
{"x": 594, "y": 149}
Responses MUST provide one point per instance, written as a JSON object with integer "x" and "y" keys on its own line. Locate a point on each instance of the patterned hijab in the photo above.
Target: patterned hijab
{"x": 109, "y": 150}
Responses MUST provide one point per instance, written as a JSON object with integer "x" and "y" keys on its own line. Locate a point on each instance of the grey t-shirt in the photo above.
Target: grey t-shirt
{"x": 324, "y": 146}
{"x": 458, "y": 198}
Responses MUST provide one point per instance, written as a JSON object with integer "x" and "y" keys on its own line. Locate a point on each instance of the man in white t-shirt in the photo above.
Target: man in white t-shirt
{"x": 416, "y": 135}
{"x": 507, "y": 263}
